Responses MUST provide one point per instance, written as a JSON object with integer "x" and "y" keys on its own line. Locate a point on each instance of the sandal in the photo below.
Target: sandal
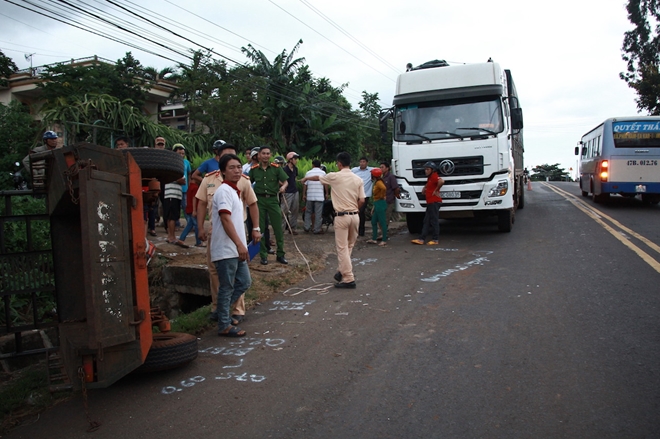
{"x": 382, "y": 244}
{"x": 179, "y": 243}
{"x": 371, "y": 241}
{"x": 237, "y": 319}
{"x": 152, "y": 233}
{"x": 233, "y": 331}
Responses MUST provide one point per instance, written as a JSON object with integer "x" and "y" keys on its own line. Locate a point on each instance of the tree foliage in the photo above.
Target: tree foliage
{"x": 64, "y": 84}
{"x": 19, "y": 134}
{"x": 552, "y": 172}
{"x": 7, "y": 67}
{"x": 641, "y": 51}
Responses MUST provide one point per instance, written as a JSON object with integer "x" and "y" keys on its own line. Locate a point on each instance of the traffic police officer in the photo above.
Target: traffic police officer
{"x": 269, "y": 181}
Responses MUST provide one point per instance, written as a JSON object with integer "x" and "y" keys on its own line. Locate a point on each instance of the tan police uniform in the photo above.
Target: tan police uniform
{"x": 347, "y": 190}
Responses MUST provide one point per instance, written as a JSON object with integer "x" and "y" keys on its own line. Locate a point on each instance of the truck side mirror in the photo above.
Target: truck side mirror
{"x": 382, "y": 124}
{"x": 516, "y": 118}
{"x": 577, "y": 150}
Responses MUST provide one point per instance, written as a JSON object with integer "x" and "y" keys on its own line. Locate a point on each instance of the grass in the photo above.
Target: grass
{"x": 26, "y": 394}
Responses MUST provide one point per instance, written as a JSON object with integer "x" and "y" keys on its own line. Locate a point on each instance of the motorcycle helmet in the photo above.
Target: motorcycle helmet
{"x": 50, "y": 135}
{"x": 279, "y": 160}
{"x": 431, "y": 165}
{"x": 376, "y": 173}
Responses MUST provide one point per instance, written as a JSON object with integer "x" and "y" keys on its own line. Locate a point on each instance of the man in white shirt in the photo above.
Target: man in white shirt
{"x": 229, "y": 251}
{"x": 314, "y": 196}
{"x": 364, "y": 172}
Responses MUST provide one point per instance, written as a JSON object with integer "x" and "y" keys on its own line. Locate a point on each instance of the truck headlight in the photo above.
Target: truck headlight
{"x": 404, "y": 195}
{"x": 501, "y": 189}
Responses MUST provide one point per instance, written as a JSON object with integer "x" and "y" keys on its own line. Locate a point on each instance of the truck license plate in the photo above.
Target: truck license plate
{"x": 450, "y": 195}
{"x": 640, "y": 188}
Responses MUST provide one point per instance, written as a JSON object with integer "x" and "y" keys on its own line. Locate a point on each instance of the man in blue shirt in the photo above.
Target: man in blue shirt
{"x": 364, "y": 172}
{"x": 211, "y": 164}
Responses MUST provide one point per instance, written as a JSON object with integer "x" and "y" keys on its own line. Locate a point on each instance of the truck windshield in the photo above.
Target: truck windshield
{"x": 416, "y": 123}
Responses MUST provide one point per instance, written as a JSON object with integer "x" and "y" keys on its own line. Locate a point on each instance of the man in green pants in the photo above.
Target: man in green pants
{"x": 269, "y": 181}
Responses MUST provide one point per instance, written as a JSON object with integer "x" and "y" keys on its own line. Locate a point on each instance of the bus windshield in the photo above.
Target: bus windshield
{"x": 415, "y": 123}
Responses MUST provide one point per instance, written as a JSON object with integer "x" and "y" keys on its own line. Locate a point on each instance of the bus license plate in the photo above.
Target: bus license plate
{"x": 450, "y": 195}
{"x": 640, "y": 188}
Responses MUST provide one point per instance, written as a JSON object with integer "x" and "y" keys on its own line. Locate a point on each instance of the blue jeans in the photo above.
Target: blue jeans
{"x": 191, "y": 224}
{"x": 234, "y": 280}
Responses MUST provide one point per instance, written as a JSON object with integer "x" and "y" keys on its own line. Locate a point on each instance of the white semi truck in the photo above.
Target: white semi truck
{"x": 467, "y": 120}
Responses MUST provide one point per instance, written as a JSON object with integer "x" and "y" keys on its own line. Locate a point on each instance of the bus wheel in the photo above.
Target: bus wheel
{"x": 585, "y": 193}
{"x": 415, "y": 222}
{"x": 505, "y": 220}
{"x": 601, "y": 198}
{"x": 650, "y": 198}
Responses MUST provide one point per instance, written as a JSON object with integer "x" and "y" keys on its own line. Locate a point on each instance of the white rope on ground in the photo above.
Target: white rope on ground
{"x": 286, "y": 219}
{"x": 319, "y": 288}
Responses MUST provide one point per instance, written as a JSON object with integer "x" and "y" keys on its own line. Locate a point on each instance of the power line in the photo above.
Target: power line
{"x": 338, "y": 111}
{"x": 355, "y": 40}
{"x": 317, "y": 32}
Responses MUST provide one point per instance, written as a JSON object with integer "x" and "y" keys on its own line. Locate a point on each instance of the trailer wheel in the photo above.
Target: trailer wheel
{"x": 505, "y": 220}
{"x": 415, "y": 222}
{"x": 169, "y": 350}
{"x": 162, "y": 164}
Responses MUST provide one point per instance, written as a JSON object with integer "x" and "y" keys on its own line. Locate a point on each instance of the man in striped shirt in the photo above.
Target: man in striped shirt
{"x": 172, "y": 206}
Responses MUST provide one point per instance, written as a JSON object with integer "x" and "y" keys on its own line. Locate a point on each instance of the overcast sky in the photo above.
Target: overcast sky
{"x": 565, "y": 56}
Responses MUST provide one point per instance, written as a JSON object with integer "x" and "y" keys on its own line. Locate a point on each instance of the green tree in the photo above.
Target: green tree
{"x": 372, "y": 144}
{"x": 224, "y": 100}
{"x": 551, "y": 172}
{"x": 64, "y": 84}
{"x": 641, "y": 51}
{"x": 282, "y": 100}
{"x": 7, "y": 67}
{"x": 19, "y": 133}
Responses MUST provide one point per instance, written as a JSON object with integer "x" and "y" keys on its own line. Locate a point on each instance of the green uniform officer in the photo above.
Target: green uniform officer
{"x": 267, "y": 178}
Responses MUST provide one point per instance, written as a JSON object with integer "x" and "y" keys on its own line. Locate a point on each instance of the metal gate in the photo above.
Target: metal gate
{"x": 27, "y": 280}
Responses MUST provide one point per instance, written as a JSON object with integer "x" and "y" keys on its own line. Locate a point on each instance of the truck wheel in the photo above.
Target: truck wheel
{"x": 162, "y": 164}
{"x": 415, "y": 222}
{"x": 169, "y": 350}
{"x": 521, "y": 199}
{"x": 505, "y": 220}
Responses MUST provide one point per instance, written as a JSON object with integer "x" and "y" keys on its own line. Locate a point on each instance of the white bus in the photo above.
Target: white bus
{"x": 621, "y": 156}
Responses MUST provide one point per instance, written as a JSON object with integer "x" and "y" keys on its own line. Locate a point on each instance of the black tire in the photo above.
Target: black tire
{"x": 600, "y": 198}
{"x": 162, "y": 164}
{"x": 169, "y": 350}
{"x": 505, "y": 220}
{"x": 650, "y": 199}
{"x": 415, "y": 222}
{"x": 585, "y": 193}
{"x": 521, "y": 199}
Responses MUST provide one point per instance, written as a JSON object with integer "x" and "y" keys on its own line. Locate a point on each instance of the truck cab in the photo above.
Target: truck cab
{"x": 467, "y": 120}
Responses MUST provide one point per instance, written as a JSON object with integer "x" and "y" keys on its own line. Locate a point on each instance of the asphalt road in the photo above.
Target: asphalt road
{"x": 550, "y": 331}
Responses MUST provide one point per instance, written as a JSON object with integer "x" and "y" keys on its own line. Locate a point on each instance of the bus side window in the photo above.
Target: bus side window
{"x": 597, "y": 146}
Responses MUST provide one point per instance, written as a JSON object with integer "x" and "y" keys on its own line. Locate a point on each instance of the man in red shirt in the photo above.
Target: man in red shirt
{"x": 433, "y": 202}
